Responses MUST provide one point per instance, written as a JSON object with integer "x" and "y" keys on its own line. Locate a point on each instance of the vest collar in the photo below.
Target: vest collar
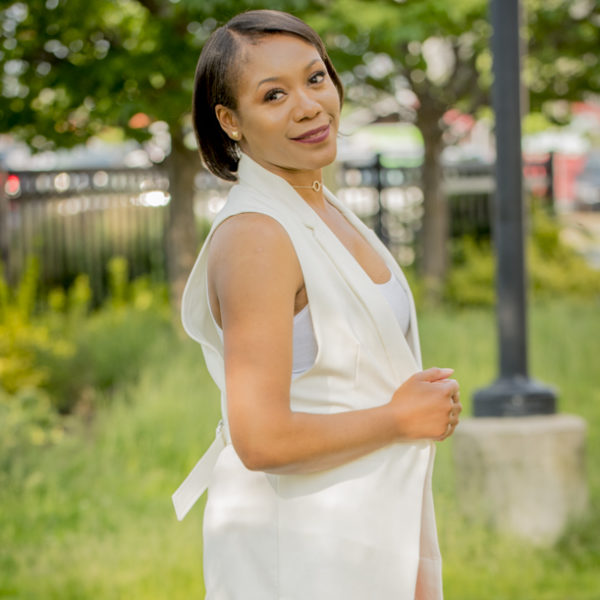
{"x": 276, "y": 189}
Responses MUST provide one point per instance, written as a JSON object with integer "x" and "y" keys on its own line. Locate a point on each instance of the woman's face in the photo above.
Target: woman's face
{"x": 288, "y": 108}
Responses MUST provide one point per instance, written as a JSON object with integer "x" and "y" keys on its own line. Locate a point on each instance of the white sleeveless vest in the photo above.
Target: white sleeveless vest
{"x": 356, "y": 532}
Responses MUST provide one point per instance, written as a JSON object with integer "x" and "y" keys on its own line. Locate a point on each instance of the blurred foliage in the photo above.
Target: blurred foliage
{"x": 536, "y": 122}
{"x": 562, "y": 62}
{"x": 553, "y": 268}
{"x": 27, "y": 418}
{"x": 471, "y": 278}
{"x": 22, "y": 338}
{"x": 139, "y": 56}
{"x": 57, "y": 356}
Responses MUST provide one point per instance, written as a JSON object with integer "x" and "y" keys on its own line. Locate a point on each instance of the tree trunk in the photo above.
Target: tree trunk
{"x": 182, "y": 233}
{"x": 434, "y": 240}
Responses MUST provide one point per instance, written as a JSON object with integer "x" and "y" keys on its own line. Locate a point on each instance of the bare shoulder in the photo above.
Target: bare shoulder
{"x": 254, "y": 250}
{"x": 250, "y": 232}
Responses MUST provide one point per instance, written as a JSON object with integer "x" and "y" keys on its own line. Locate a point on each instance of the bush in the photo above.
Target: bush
{"x": 556, "y": 269}
{"x": 471, "y": 279}
{"x": 56, "y": 356}
{"x": 26, "y": 418}
{"x": 23, "y": 337}
{"x": 110, "y": 348}
{"x": 553, "y": 268}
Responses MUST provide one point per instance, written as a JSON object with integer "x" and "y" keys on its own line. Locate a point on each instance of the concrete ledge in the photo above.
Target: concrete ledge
{"x": 525, "y": 475}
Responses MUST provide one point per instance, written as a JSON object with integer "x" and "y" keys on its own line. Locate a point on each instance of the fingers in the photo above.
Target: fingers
{"x": 449, "y": 431}
{"x": 451, "y": 426}
{"x": 434, "y": 374}
{"x": 455, "y": 407}
{"x": 449, "y": 386}
{"x": 453, "y": 420}
{"x": 454, "y": 412}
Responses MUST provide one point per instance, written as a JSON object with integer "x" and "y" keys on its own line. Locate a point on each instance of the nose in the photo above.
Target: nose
{"x": 306, "y": 106}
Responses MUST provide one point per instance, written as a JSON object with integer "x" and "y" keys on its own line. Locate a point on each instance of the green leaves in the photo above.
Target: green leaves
{"x": 78, "y": 66}
{"x": 71, "y": 68}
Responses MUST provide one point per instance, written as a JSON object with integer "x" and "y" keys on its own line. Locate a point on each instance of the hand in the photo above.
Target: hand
{"x": 427, "y": 405}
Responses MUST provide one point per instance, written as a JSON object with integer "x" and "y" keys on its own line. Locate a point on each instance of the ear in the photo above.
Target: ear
{"x": 229, "y": 122}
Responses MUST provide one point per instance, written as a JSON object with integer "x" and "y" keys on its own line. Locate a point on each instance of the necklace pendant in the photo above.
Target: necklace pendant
{"x": 316, "y": 186}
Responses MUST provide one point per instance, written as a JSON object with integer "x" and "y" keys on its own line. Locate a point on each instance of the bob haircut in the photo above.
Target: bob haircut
{"x": 216, "y": 72}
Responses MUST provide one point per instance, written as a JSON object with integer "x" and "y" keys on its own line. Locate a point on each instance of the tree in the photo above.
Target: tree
{"x": 562, "y": 60}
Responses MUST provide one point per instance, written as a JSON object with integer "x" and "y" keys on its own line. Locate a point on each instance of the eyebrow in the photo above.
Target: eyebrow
{"x": 276, "y": 78}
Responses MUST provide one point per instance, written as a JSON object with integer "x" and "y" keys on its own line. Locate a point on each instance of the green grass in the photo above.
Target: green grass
{"x": 484, "y": 565}
{"x": 91, "y": 517}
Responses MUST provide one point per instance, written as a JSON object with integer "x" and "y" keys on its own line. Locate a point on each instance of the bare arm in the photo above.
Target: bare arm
{"x": 254, "y": 276}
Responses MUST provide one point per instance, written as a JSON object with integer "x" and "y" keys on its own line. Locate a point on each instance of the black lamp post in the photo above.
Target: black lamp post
{"x": 513, "y": 393}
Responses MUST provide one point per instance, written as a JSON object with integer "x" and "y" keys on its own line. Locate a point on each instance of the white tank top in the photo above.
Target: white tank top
{"x": 304, "y": 342}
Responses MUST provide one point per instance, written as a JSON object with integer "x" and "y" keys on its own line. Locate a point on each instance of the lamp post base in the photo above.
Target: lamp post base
{"x": 526, "y": 476}
{"x": 516, "y": 396}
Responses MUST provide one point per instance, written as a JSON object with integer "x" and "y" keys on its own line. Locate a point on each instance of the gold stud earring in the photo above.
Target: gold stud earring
{"x": 235, "y": 135}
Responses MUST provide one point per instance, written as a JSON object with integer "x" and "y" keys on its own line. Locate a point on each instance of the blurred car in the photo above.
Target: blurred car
{"x": 587, "y": 184}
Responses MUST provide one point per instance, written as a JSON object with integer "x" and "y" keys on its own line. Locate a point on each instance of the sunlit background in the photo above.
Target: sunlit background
{"x": 104, "y": 405}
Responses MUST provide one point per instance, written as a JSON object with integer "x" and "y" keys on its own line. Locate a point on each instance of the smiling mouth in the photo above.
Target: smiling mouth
{"x": 314, "y": 136}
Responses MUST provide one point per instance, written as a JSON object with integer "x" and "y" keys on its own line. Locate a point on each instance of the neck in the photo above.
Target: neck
{"x": 308, "y": 185}
{"x": 315, "y": 186}
{"x": 316, "y": 200}
{"x": 305, "y": 179}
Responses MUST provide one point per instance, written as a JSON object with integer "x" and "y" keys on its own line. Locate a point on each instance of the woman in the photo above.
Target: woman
{"x": 320, "y": 476}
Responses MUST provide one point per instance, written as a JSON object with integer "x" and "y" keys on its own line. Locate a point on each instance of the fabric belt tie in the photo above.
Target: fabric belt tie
{"x": 195, "y": 484}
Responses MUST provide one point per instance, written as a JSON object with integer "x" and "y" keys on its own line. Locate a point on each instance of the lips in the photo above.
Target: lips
{"x": 313, "y": 136}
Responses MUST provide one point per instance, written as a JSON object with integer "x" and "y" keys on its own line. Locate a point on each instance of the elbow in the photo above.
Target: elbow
{"x": 254, "y": 462}
{"x": 258, "y": 461}
{"x": 259, "y": 456}
{"x": 262, "y": 445}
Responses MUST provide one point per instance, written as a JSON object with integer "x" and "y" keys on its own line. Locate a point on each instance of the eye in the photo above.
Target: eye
{"x": 274, "y": 94}
{"x": 317, "y": 77}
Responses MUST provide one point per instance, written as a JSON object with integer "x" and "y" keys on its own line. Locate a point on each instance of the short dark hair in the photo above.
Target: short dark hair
{"x": 213, "y": 83}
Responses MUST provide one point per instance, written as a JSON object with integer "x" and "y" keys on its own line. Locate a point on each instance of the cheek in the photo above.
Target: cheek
{"x": 333, "y": 110}
{"x": 332, "y": 101}
{"x": 266, "y": 129}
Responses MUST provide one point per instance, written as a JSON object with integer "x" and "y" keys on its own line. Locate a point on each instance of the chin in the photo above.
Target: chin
{"x": 323, "y": 158}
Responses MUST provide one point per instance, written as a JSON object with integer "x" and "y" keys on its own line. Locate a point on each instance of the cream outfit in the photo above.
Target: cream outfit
{"x": 304, "y": 343}
{"x": 360, "y": 531}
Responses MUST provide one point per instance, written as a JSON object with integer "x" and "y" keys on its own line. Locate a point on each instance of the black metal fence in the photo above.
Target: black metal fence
{"x": 75, "y": 221}
{"x": 390, "y": 199}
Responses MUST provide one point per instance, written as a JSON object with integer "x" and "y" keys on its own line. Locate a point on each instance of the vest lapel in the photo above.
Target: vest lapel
{"x": 396, "y": 346}
{"x": 399, "y": 352}
{"x": 412, "y": 337}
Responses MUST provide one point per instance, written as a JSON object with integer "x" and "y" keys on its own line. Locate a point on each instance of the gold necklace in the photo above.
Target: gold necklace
{"x": 316, "y": 186}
